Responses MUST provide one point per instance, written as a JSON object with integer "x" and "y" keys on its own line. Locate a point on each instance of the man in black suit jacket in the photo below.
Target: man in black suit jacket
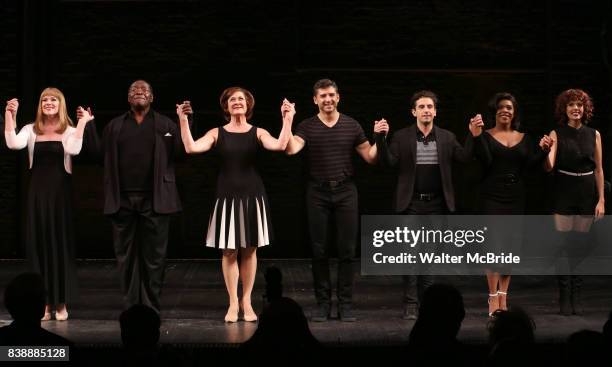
{"x": 139, "y": 149}
{"x": 424, "y": 155}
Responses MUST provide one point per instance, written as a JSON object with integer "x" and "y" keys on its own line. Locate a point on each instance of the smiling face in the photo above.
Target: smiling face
{"x": 50, "y": 105}
{"x": 237, "y": 104}
{"x": 327, "y": 99}
{"x": 505, "y": 112}
{"x": 574, "y": 110}
{"x": 140, "y": 95}
{"x": 424, "y": 110}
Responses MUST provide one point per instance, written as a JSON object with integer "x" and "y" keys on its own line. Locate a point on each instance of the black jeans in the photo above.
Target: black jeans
{"x": 415, "y": 285}
{"x": 140, "y": 239}
{"x": 340, "y": 204}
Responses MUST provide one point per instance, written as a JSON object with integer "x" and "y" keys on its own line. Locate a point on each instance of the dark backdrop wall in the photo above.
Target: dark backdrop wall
{"x": 379, "y": 52}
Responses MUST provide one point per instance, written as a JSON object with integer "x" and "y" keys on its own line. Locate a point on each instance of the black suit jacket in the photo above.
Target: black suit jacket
{"x": 168, "y": 146}
{"x": 402, "y": 153}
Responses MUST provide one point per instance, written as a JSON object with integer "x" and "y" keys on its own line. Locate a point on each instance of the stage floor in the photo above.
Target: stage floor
{"x": 194, "y": 303}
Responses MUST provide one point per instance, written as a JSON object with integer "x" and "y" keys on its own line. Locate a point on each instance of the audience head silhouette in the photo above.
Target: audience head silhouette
{"x": 513, "y": 324}
{"x": 24, "y": 298}
{"x": 440, "y": 315}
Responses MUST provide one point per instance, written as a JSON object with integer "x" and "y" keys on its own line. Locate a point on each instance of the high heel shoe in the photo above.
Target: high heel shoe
{"x": 47, "y": 315}
{"x": 250, "y": 316}
{"x": 502, "y": 300}
{"x": 493, "y": 303}
{"x": 231, "y": 315}
{"x": 61, "y": 315}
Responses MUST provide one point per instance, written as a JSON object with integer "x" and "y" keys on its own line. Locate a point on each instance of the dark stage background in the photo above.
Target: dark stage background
{"x": 379, "y": 52}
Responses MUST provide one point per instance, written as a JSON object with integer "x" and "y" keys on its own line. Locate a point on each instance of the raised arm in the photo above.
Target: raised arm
{"x": 74, "y": 141}
{"x": 13, "y": 140}
{"x": 201, "y": 145}
{"x": 280, "y": 144}
{"x": 549, "y": 162}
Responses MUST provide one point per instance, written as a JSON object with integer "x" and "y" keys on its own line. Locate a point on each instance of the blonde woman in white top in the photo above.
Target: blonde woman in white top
{"x": 49, "y": 239}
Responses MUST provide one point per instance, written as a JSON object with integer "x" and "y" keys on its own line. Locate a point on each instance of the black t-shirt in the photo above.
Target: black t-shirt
{"x": 136, "y": 145}
{"x": 329, "y": 149}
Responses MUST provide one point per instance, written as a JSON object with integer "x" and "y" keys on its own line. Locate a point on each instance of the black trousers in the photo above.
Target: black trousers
{"x": 140, "y": 239}
{"x": 341, "y": 205}
{"x": 415, "y": 285}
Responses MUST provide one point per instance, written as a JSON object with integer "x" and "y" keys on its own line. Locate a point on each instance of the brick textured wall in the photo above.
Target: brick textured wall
{"x": 379, "y": 52}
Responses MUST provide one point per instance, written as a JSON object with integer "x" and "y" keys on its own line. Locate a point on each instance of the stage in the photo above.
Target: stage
{"x": 194, "y": 303}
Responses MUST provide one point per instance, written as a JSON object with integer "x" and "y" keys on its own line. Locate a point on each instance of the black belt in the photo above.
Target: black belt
{"x": 331, "y": 184}
{"x": 425, "y": 196}
{"x": 507, "y": 178}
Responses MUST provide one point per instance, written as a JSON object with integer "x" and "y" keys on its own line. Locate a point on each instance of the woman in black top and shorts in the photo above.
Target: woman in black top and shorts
{"x": 576, "y": 158}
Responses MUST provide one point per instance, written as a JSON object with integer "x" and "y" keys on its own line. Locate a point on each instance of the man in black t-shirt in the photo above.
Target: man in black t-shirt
{"x": 330, "y": 139}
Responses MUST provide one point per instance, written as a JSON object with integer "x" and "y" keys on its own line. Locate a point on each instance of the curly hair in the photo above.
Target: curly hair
{"x": 225, "y": 96}
{"x": 568, "y": 96}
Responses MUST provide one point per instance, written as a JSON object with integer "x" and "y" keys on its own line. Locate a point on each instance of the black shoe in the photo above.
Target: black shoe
{"x": 345, "y": 313}
{"x": 321, "y": 314}
{"x": 411, "y": 311}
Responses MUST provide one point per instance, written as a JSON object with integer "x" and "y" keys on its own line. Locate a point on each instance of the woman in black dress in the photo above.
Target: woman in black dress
{"x": 51, "y": 141}
{"x": 576, "y": 158}
{"x": 240, "y": 220}
{"x": 505, "y": 153}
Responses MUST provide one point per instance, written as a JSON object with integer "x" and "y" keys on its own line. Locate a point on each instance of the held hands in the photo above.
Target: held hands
{"x": 546, "y": 143}
{"x": 84, "y": 115}
{"x": 476, "y": 125}
{"x": 12, "y": 106}
{"x": 184, "y": 109}
{"x": 287, "y": 109}
{"x": 381, "y": 127}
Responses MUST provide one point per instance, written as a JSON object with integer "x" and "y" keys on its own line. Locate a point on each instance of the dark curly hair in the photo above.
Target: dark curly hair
{"x": 568, "y": 96}
{"x": 250, "y": 101}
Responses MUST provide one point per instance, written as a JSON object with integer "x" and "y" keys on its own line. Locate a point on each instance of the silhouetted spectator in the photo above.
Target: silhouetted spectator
{"x": 511, "y": 336}
{"x": 586, "y": 348}
{"x": 282, "y": 336}
{"x": 24, "y": 298}
{"x": 433, "y": 339}
{"x": 140, "y": 336}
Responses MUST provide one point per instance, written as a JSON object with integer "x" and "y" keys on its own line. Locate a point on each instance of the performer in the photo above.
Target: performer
{"x": 576, "y": 157}
{"x": 423, "y": 154}
{"x": 51, "y": 141}
{"x": 139, "y": 149}
{"x": 505, "y": 153}
{"x": 240, "y": 221}
{"x": 330, "y": 138}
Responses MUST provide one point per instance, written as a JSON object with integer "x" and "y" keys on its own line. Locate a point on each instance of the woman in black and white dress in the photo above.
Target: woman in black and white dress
{"x": 240, "y": 220}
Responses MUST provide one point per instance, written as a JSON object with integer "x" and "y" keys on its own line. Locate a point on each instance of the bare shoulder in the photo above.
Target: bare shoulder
{"x": 261, "y": 132}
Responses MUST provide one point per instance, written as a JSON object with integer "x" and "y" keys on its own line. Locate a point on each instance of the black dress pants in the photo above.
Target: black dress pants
{"x": 140, "y": 239}
{"x": 415, "y": 285}
{"x": 339, "y": 203}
